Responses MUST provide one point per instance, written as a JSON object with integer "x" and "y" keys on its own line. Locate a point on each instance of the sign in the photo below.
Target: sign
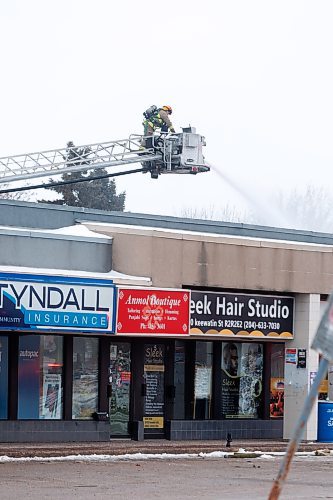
{"x": 153, "y": 422}
{"x": 154, "y": 379}
{"x": 38, "y": 302}
{"x": 202, "y": 382}
{"x": 301, "y": 358}
{"x": 241, "y": 315}
{"x": 291, "y": 356}
{"x": 153, "y": 311}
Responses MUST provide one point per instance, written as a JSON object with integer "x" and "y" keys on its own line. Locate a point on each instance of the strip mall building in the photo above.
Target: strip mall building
{"x": 129, "y": 325}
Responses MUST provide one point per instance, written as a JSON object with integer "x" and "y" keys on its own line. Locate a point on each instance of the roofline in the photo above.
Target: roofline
{"x": 182, "y": 224}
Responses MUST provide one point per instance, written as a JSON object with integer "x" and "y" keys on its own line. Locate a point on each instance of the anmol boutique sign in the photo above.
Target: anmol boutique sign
{"x": 153, "y": 311}
{"x": 38, "y": 302}
{"x": 241, "y": 315}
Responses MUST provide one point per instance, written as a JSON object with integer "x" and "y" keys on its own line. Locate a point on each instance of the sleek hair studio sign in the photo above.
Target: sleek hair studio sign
{"x": 39, "y": 302}
{"x": 241, "y": 315}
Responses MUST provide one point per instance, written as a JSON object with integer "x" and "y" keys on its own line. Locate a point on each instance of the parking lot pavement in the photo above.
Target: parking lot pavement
{"x": 222, "y": 478}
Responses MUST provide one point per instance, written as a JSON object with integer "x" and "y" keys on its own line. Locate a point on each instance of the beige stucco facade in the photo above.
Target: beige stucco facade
{"x": 174, "y": 258}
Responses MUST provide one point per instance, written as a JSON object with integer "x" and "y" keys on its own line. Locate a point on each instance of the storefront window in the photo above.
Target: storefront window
{"x": 203, "y": 380}
{"x": 242, "y": 367}
{"x": 276, "y": 406}
{"x": 40, "y": 377}
{"x": 3, "y": 377}
{"x": 179, "y": 381}
{"x": 85, "y": 377}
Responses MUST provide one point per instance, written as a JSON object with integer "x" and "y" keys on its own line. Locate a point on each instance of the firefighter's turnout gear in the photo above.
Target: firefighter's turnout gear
{"x": 158, "y": 119}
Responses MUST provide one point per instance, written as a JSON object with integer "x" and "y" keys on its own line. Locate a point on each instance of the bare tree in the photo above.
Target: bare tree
{"x": 226, "y": 213}
{"x": 310, "y": 209}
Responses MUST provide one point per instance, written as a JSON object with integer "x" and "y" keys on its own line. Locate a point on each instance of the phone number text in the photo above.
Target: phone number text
{"x": 249, "y": 325}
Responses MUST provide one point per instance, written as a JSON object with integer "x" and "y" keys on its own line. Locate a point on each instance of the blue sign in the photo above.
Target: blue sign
{"x": 325, "y": 422}
{"x": 39, "y": 302}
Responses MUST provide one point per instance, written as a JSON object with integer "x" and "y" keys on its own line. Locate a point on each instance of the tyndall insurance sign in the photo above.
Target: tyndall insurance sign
{"x": 40, "y": 302}
{"x": 241, "y": 315}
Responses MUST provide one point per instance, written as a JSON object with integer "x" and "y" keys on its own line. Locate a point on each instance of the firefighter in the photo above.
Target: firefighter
{"x": 158, "y": 120}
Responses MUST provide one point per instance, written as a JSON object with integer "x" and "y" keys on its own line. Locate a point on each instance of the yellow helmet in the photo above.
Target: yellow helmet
{"x": 168, "y": 109}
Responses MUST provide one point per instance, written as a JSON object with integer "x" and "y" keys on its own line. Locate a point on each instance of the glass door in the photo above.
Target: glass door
{"x": 119, "y": 384}
{"x": 154, "y": 369}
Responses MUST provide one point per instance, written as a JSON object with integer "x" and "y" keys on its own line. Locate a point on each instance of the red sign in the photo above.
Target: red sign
{"x": 151, "y": 311}
{"x": 125, "y": 377}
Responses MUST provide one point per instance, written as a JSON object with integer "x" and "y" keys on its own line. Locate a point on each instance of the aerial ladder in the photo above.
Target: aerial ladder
{"x": 179, "y": 153}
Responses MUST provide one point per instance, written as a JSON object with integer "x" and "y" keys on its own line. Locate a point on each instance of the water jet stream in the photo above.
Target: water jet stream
{"x": 267, "y": 212}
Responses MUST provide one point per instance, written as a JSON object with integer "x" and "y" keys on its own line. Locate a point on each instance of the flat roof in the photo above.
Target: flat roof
{"x": 43, "y": 215}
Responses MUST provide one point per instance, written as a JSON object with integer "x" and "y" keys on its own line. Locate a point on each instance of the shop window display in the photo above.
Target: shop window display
{"x": 40, "y": 377}
{"x": 85, "y": 377}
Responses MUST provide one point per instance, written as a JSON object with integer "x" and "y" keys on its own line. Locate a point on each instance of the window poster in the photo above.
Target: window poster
{"x": 242, "y": 367}
{"x": 51, "y": 400}
{"x": 203, "y": 382}
{"x": 276, "y": 398}
{"x": 154, "y": 380}
{"x": 276, "y": 404}
{"x": 230, "y": 379}
{"x": 250, "y": 390}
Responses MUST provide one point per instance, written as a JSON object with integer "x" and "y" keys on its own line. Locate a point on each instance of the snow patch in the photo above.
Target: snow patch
{"x": 116, "y": 458}
{"x": 150, "y": 456}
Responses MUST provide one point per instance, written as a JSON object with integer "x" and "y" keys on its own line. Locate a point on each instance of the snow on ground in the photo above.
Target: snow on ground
{"x": 153, "y": 456}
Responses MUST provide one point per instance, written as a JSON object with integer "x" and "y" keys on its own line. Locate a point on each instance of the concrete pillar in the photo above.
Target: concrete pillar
{"x": 297, "y": 380}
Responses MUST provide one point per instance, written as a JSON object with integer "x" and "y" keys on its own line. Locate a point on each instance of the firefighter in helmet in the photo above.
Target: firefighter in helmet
{"x": 158, "y": 120}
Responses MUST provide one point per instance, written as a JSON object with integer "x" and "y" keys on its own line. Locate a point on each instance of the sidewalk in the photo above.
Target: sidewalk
{"x": 124, "y": 446}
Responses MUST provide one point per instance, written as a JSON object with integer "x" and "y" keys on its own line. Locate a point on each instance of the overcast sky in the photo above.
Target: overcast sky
{"x": 254, "y": 77}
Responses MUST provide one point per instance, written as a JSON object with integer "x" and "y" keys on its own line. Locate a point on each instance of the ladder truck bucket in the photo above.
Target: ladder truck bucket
{"x": 177, "y": 154}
